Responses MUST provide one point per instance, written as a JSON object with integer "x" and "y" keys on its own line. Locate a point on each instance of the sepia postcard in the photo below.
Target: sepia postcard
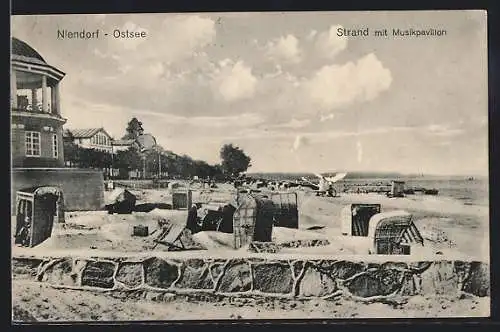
{"x": 249, "y": 165}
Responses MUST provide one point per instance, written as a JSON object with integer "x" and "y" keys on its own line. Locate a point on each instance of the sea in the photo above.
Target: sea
{"x": 467, "y": 190}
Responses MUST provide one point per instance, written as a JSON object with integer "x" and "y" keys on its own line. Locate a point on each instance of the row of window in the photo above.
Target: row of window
{"x": 22, "y": 126}
{"x": 100, "y": 139}
{"x": 33, "y": 144}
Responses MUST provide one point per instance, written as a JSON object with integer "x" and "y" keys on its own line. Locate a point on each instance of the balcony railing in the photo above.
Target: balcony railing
{"x": 38, "y": 109}
{"x": 27, "y": 112}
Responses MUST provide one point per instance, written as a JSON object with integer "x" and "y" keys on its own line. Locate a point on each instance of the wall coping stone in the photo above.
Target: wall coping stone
{"x": 54, "y": 169}
{"x": 20, "y": 252}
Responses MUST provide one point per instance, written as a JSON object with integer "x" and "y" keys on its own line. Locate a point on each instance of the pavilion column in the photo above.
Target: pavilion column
{"x": 45, "y": 99}
{"x": 52, "y": 101}
{"x": 13, "y": 89}
{"x": 34, "y": 100}
{"x": 57, "y": 99}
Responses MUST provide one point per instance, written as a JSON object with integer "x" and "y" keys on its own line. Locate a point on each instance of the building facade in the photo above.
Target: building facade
{"x": 93, "y": 138}
{"x": 123, "y": 144}
{"x": 98, "y": 139}
{"x": 36, "y": 120}
{"x": 37, "y": 134}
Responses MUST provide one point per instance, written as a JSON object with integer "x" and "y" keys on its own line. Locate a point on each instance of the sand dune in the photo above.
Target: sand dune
{"x": 213, "y": 240}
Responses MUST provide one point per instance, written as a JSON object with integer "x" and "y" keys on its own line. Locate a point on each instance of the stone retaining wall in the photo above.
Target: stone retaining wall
{"x": 309, "y": 278}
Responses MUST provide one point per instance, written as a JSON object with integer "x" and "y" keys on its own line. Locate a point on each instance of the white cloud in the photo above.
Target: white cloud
{"x": 240, "y": 120}
{"x": 156, "y": 70}
{"x": 277, "y": 72}
{"x": 131, "y": 43}
{"x": 98, "y": 53}
{"x": 299, "y": 142}
{"x": 165, "y": 68}
{"x": 339, "y": 85}
{"x": 436, "y": 128}
{"x": 312, "y": 34}
{"x": 285, "y": 49}
{"x": 225, "y": 63}
{"x": 174, "y": 39}
{"x": 328, "y": 44}
{"x": 443, "y": 130}
{"x": 234, "y": 81}
{"x": 114, "y": 119}
{"x": 326, "y": 117}
{"x": 359, "y": 149}
{"x": 191, "y": 30}
{"x": 308, "y": 138}
{"x": 84, "y": 114}
{"x": 294, "y": 124}
{"x": 443, "y": 143}
{"x": 376, "y": 131}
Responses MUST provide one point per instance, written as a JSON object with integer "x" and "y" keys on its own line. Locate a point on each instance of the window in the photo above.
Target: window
{"x": 100, "y": 139}
{"x": 55, "y": 147}
{"x": 32, "y": 142}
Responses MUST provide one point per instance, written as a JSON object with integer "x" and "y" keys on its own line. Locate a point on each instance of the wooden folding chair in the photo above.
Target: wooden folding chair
{"x": 171, "y": 237}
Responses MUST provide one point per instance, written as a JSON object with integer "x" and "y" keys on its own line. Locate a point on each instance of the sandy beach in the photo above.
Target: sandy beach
{"x": 448, "y": 227}
{"x": 38, "y": 302}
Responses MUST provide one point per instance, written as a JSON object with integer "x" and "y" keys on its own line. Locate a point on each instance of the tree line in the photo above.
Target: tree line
{"x": 234, "y": 160}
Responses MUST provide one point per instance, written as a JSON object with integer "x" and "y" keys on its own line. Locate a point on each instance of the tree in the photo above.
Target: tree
{"x": 217, "y": 172}
{"x": 127, "y": 160}
{"x": 234, "y": 160}
{"x": 134, "y": 129}
{"x": 152, "y": 161}
{"x": 70, "y": 149}
{"x": 202, "y": 169}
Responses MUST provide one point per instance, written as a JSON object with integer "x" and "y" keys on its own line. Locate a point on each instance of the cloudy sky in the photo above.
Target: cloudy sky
{"x": 282, "y": 86}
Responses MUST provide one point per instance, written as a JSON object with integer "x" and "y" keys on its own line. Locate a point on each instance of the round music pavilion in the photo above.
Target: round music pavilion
{"x": 36, "y": 120}
{"x": 37, "y": 149}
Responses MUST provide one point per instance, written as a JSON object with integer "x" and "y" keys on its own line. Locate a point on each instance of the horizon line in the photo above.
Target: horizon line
{"x": 472, "y": 174}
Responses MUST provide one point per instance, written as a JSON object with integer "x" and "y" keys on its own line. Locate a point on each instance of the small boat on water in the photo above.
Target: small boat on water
{"x": 431, "y": 192}
{"x": 421, "y": 191}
